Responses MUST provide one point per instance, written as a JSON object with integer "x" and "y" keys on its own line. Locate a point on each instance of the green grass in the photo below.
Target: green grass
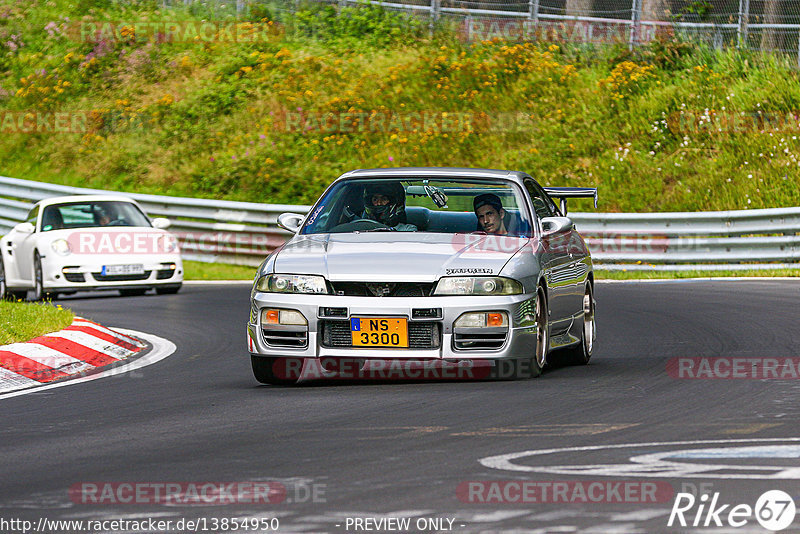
{"x": 195, "y": 270}
{"x": 651, "y": 275}
{"x": 219, "y": 119}
{"x": 22, "y": 321}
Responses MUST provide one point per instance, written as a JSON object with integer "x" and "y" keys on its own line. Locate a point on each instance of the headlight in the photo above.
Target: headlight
{"x": 292, "y": 283}
{"x": 60, "y": 246}
{"x": 477, "y": 285}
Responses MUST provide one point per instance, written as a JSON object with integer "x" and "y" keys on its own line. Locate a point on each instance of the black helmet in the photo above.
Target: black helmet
{"x": 392, "y": 213}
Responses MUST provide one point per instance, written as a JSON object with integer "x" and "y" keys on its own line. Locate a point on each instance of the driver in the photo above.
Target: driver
{"x": 102, "y": 217}
{"x": 490, "y": 213}
{"x": 386, "y": 204}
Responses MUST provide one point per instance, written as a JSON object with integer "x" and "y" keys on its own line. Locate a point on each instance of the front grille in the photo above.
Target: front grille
{"x": 479, "y": 340}
{"x": 163, "y": 274}
{"x": 426, "y": 313}
{"x": 285, "y": 338}
{"x": 121, "y": 277}
{"x": 384, "y": 289}
{"x": 74, "y": 277}
{"x": 421, "y": 335}
{"x": 332, "y": 312}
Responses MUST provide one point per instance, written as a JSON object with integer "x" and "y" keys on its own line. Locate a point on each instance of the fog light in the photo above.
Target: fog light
{"x": 270, "y": 316}
{"x": 288, "y": 317}
{"x": 482, "y": 320}
{"x": 495, "y": 319}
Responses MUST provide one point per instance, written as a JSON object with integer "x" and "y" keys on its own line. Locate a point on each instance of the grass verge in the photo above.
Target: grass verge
{"x": 22, "y": 321}
{"x": 196, "y": 270}
{"x": 652, "y": 275}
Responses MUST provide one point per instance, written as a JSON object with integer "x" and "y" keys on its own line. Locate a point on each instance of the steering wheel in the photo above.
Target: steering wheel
{"x": 357, "y": 225}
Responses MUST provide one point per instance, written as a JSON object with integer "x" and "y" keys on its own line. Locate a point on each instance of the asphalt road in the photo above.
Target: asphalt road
{"x": 378, "y": 450}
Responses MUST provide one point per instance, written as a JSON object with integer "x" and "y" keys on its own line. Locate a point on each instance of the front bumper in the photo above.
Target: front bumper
{"x": 519, "y": 342}
{"x": 76, "y": 273}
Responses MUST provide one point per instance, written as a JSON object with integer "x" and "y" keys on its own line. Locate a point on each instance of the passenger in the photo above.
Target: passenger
{"x": 490, "y": 213}
{"x": 386, "y": 203}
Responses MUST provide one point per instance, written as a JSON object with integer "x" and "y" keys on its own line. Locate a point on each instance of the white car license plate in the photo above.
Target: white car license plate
{"x": 112, "y": 270}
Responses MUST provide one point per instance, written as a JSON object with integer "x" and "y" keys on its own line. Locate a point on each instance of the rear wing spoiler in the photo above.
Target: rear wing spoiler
{"x": 563, "y": 193}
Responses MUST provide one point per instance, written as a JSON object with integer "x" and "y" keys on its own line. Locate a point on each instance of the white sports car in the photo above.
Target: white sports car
{"x": 89, "y": 242}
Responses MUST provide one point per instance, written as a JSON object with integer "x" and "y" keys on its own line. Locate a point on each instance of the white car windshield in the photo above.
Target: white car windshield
{"x": 421, "y": 205}
{"x": 91, "y": 214}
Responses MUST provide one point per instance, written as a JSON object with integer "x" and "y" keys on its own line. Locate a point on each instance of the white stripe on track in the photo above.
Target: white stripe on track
{"x": 14, "y": 380}
{"x": 93, "y": 343}
{"x": 49, "y": 357}
{"x": 99, "y": 328}
{"x": 162, "y": 348}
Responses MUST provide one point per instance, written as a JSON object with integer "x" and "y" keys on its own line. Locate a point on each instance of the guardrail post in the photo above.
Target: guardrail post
{"x": 533, "y": 11}
{"x": 636, "y": 21}
{"x": 741, "y": 31}
{"x": 436, "y": 7}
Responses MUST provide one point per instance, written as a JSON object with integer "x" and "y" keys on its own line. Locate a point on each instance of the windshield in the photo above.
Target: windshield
{"x": 92, "y": 214}
{"x": 421, "y": 205}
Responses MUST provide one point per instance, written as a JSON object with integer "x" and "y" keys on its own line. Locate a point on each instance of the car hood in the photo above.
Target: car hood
{"x": 396, "y": 256}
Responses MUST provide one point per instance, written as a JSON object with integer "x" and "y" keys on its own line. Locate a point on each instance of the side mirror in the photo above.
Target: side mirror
{"x": 25, "y": 228}
{"x": 554, "y": 225}
{"x": 290, "y": 221}
{"x": 161, "y": 223}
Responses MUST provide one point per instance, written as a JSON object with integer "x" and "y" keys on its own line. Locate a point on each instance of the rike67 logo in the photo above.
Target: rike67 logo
{"x": 774, "y": 510}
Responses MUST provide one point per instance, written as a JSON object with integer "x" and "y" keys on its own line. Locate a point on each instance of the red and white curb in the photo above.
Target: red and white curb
{"x": 82, "y": 347}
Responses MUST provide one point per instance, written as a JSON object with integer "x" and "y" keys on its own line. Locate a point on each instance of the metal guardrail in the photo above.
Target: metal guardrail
{"x": 208, "y": 230}
{"x": 245, "y": 232}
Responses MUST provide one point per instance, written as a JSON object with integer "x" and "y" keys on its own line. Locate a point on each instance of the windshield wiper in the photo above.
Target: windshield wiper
{"x": 385, "y": 229}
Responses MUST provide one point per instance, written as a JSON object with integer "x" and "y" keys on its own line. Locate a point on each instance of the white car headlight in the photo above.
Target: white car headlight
{"x": 477, "y": 285}
{"x": 292, "y": 283}
{"x": 60, "y": 246}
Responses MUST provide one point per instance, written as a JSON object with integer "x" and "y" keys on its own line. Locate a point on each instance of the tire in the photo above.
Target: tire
{"x": 581, "y": 353}
{"x": 539, "y": 359}
{"x": 5, "y": 292}
{"x": 267, "y": 370}
{"x": 169, "y": 290}
{"x": 532, "y": 366}
{"x": 39, "y": 292}
{"x": 133, "y": 292}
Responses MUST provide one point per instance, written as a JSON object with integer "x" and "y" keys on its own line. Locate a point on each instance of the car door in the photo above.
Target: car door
{"x": 559, "y": 262}
{"x": 23, "y": 247}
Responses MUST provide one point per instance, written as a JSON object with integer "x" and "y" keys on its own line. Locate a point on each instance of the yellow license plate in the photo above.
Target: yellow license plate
{"x": 379, "y": 332}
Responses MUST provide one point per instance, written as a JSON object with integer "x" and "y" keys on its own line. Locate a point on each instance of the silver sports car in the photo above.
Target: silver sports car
{"x": 425, "y": 273}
